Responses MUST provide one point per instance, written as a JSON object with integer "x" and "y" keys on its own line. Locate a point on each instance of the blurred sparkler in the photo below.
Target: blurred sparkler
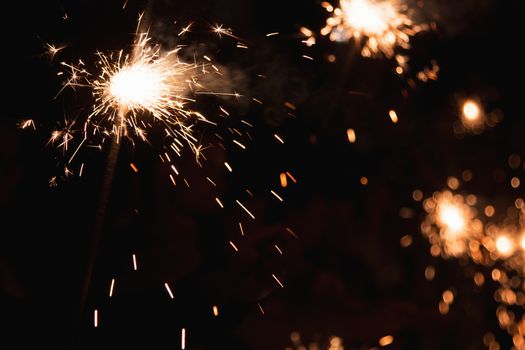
{"x": 379, "y": 26}
{"x": 457, "y": 226}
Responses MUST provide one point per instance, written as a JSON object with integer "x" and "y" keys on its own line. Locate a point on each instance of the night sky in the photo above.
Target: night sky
{"x": 345, "y": 274}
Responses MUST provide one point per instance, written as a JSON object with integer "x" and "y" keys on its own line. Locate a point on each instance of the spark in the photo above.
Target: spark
{"x": 185, "y": 29}
{"x": 260, "y": 308}
{"x": 215, "y": 311}
{"x": 278, "y": 249}
{"x": 308, "y": 57}
{"x": 277, "y": 280}
{"x": 135, "y": 169}
{"x": 283, "y": 179}
{"x": 393, "y": 116}
{"x": 183, "y": 339}
{"x": 220, "y": 31}
{"x": 239, "y": 144}
{"x": 350, "y": 133}
{"x": 290, "y": 105}
{"x": 134, "y": 262}
{"x": 245, "y": 209}
{"x": 278, "y": 138}
{"x": 219, "y": 203}
{"x": 52, "y": 50}
{"x": 27, "y": 123}
{"x": 228, "y": 167}
{"x": 272, "y": 34}
{"x": 386, "y": 340}
{"x": 111, "y": 287}
{"x": 168, "y": 289}
{"x": 234, "y": 246}
{"x": 276, "y": 195}
{"x": 378, "y": 25}
{"x": 290, "y": 231}
{"x": 242, "y": 231}
{"x": 291, "y": 177}
{"x": 95, "y": 318}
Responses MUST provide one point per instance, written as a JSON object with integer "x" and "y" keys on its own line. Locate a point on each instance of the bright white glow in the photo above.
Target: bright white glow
{"x": 366, "y": 16}
{"x": 137, "y": 85}
{"x": 451, "y": 216}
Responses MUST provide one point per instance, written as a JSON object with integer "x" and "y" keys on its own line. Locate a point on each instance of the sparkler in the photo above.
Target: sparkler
{"x": 378, "y": 25}
{"x": 134, "y": 92}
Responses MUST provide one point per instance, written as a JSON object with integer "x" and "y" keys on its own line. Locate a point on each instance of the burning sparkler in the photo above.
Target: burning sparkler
{"x": 378, "y": 25}
{"x": 137, "y": 91}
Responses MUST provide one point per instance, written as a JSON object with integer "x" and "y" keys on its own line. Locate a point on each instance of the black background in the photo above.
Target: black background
{"x": 345, "y": 275}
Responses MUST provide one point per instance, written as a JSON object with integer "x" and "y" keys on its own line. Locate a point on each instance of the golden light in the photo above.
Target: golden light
{"x": 471, "y": 110}
{"x": 522, "y": 242}
{"x": 504, "y": 245}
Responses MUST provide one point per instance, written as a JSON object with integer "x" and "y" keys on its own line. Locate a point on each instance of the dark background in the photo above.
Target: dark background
{"x": 345, "y": 275}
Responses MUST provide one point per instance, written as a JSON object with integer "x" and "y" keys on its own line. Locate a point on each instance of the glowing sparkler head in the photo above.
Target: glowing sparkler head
{"x": 367, "y": 17}
{"x": 139, "y": 85}
{"x": 380, "y": 25}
